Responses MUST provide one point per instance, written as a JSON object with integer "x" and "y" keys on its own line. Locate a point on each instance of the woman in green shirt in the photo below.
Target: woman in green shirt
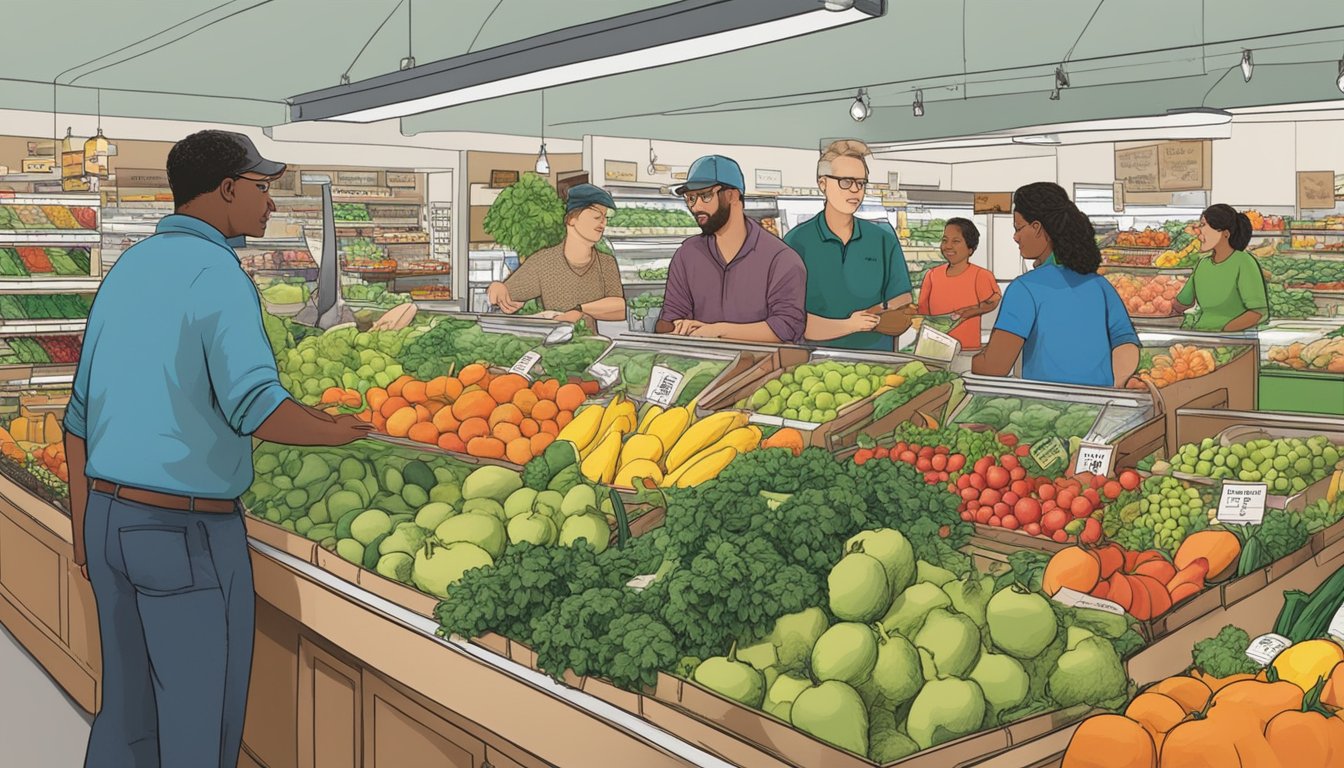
{"x": 1228, "y": 284}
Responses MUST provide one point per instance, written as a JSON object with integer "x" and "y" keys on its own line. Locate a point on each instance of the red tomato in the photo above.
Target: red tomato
{"x": 964, "y": 481}
{"x": 1046, "y": 492}
{"x": 955, "y": 462}
{"x": 1021, "y": 487}
{"x": 1008, "y": 439}
{"x": 1112, "y": 490}
{"x": 990, "y": 496}
{"x": 1010, "y": 498}
{"x": 969, "y": 494}
{"x": 1098, "y": 481}
{"x": 926, "y": 452}
{"x": 1027, "y": 510}
{"x": 982, "y": 466}
{"x": 972, "y": 505}
{"x": 1129, "y": 479}
{"x": 1022, "y": 451}
{"x": 1091, "y": 531}
{"x": 1091, "y": 495}
{"x": 908, "y": 456}
{"x": 998, "y": 477}
{"x": 1065, "y": 498}
{"x": 882, "y": 453}
{"x": 931, "y": 477}
{"x": 1060, "y": 536}
{"x": 1009, "y": 461}
{"x": 943, "y": 476}
{"x": 1010, "y": 522}
{"x": 996, "y": 521}
{"x": 967, "y": 517}
{"x": 1081, "y": 507}
{"x": 1018, "y": 473}
{"x": 899, "y": 447}
{"x": 952, "y": 488}
{"x": 984, "y": 515}
{"x": 862, "y": 456}
{"x": 1033, "y": 528}
{"x": 923, "y": 464}
{"x": 1054, "y": 520}
{"x": 978, "y": 481}
{"x": 1049, "y": 505}
{"x": 939, "y": 462}
{"x": 1002, "y": 510}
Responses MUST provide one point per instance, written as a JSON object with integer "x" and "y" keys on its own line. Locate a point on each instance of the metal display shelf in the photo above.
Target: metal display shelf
{"x": 50, "y": 237}
{"x": 27, "y": 327}
{"x": 49, "y": 285}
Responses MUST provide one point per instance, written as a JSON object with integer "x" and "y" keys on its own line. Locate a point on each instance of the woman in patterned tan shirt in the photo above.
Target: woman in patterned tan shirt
{"x": 571, "y": 279}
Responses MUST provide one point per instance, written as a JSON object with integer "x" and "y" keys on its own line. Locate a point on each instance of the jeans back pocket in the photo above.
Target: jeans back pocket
{"x": 157, "y": 558}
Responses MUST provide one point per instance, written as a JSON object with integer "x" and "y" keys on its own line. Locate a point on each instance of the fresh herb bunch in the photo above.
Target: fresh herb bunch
{"x": 1224, "y": 654}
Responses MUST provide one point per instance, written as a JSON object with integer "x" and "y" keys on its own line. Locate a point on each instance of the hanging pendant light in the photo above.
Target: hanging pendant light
{"x": 860, "y": 110}
{"x": 653, "y": 160}
{"x": 543, "y": 163}
{"x": 96, "y": 148}
{"x": 70, "y": 143}
{"x": 1247, "y": 65}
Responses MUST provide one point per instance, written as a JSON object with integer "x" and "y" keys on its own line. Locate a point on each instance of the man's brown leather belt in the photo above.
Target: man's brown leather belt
{"x": 164, "y": 500}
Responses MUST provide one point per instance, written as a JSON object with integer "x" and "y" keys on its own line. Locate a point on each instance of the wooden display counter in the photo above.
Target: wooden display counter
{"x": 340, "y": 676}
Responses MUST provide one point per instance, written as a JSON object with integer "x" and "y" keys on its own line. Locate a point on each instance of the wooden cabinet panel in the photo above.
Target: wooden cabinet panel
{"x": 32, "y": 574}
{"x": 84, "y": 642}
{"x": 496, "y": 759}
{"x": 273, "y": 700}
{"x": 330, "y": 710}
{"x": 400, "y": 732}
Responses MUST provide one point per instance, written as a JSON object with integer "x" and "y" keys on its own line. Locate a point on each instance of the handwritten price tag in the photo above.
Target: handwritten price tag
{"x": 606, "y": 375}
{"x": 1048, "y": 452}
{"x": 936, "y": 345}
{"x": 663, "y": 386}
{"x": 1242, "y": 503}
{"x": 1076, "y": 599}
{"x": 1094, "y": 458}
{"x": 525, "y": 363}
{"x": 1264, "y": 648}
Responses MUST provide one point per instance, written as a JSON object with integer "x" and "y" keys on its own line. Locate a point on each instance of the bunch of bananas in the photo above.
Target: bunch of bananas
{"x": 669, "y": 446}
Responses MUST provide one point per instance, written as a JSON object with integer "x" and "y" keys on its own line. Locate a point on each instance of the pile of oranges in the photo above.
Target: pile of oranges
{"x": 495, "y": 416}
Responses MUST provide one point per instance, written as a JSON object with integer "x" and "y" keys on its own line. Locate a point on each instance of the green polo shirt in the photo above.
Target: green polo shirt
{"x": 845, "y": 277}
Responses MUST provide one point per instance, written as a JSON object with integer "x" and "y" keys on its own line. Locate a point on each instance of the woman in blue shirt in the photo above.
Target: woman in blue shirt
{"x": 1066, "y": 321}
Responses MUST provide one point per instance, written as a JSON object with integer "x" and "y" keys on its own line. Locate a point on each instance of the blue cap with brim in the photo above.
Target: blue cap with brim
{"x": 713, "y": 170}
{"x": 584, "y": 195}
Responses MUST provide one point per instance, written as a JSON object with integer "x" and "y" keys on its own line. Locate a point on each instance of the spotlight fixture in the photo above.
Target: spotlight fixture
{"x": 918, "y": 106}
{"x": 1061, "y": 77}
{"x": 1339, "y": 81}
{"x": 1247, "y": 65}
{"x": 860, "y": 110}
{"x": 407, "y": 63}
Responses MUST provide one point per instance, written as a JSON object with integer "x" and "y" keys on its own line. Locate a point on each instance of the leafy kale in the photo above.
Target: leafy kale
{"x": 808, "y": 526}
{"x": 1224, "y": 654}
{"x": 897, "y": 496}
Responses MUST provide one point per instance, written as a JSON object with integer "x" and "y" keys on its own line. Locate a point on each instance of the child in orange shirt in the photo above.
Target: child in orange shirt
{"x": 959, "y": 288}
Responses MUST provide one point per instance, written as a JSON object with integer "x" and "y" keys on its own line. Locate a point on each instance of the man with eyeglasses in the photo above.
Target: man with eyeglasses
{"x": 174, "y": 379}
{"x": 855, "y": 268}
{"x": 734, "y": 281}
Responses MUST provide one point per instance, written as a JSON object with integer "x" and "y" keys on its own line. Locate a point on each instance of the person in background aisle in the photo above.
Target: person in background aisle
{"x": 571, "y": 279}
{"x": 855, "y": 268}
{"x": 1068, "y": 323}
{"x": 735, "y": 281}
{"x": 1228, "y": 286}
{"x": 960, "y": 288}
{"x": 174, "y": 379}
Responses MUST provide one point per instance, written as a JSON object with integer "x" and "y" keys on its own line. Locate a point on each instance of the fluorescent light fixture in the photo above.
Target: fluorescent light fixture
{"x": 860, "y": 110}
{"x": 1038, "y": 139}
{"x": 1247, "y": 65}
{"x": 663, "y": 35}
{"x": 918, "y": 106}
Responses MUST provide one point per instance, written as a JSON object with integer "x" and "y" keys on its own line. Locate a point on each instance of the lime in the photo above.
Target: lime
{"x": 833, "y": 380}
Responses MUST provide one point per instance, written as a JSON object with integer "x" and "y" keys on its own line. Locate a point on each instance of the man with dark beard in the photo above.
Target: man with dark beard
{"x": 734, "y": 281}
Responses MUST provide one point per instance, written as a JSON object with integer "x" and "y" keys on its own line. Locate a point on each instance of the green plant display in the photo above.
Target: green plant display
{"x": 527, "y": 217}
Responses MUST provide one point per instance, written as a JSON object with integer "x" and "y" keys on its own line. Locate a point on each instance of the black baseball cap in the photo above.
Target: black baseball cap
{"x": 252, "y": 161}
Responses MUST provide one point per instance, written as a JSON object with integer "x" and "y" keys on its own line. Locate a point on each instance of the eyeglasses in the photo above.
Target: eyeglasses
{"x": 1024, "y": 226}
{"x": 849, "y": 184}
{"x": 263, "y": 185}
{"x": 703, "y": 196}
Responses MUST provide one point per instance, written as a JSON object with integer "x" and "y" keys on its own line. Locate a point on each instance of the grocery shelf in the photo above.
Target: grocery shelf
{"x": 50, "y": 237}
{"x": 88, "y": 201}
{"x": 40, "y": 327}
{"x": 49, "y": 285}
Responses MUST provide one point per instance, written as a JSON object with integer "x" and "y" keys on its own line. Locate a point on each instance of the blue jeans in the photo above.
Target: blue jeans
{"x": 176, "y": 615}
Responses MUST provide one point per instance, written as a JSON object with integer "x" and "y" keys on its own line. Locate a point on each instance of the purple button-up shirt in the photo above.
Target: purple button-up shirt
{"x": 766, "y": 281}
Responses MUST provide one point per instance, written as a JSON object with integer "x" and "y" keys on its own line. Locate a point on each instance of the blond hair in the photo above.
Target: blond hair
{"x": 842, "y": 148}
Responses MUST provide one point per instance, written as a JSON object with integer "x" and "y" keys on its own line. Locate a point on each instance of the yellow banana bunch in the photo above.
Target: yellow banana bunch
{"x": 703, "y": 467}
{"x": 701, "y": 435}
{"x": 600, "y": 464}
{"x": 582, "y": 430}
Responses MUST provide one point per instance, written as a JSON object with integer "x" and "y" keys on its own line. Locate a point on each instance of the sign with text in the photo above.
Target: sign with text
{"x": 401, "y": 179}
{"x": 38, "y": 165}
{"x": 767, "y": 179}
{"x": 357, "y": 178}
{"x": 1137, "y": 168}
{"x": 936, "y": 345}
{"x": 620, "y": 170}
{"x": 141, "y": 178}
{"x": 1265, "y": 648}
{"x": 1094, "y": 458}
{"x": 524, "y": 365}
{"x": 1242, "y": 503}
{"x": 993, "y": 202}
{"x": 1180, "y": 166}
{"x": 1076, "y": 599}
{"x": 1315, "y": 190}
{"x": 1049, "y": 452}
{"x": 663, "y": 385}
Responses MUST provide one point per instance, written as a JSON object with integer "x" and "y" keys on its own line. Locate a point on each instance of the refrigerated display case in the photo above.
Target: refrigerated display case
{"x": 646, "y": 229}
{"x": 1034, "y": 411}
{"x": 1149, "y": 294}
{"x": 1302, "y": 366}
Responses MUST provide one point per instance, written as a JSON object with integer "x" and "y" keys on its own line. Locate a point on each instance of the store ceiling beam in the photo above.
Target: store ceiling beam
{"x": 659, "y": 36}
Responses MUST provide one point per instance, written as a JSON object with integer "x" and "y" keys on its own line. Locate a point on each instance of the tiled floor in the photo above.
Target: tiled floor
{"x": 40, "y": 727}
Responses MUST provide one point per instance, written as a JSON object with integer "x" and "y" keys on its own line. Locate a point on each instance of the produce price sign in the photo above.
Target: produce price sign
{"x": 663, "y": 386}
{"x": 1076, "y": 599}
{"x": 525, "y": 363}
{"x": 1049, "y": 452}
{"x": 606, "y": 375}
{"x": 934, "y": 344}
{"x": 1242, "y": 503}
{"x": 1265, "y": 648}
{"x": 1094, "y": 458}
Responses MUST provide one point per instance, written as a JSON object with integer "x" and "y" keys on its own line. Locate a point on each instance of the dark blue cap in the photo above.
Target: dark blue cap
{"x": 713, "y": 170}
{"x": 584, "y": 195}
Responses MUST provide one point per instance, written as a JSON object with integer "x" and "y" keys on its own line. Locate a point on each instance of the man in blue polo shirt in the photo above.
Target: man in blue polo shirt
{"x": 855, "y": 268}
{"x": 175, "y": 377}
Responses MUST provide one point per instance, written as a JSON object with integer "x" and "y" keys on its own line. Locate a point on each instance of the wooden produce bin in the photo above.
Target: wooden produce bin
{"x": 1233, "y": 385}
